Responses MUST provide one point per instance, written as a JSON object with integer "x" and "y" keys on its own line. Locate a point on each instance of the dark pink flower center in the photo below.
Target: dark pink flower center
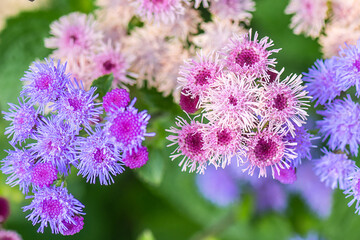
{"x": 356, "y": 64}
{"x": 52, "y": 208}
{"x": 75, "y": 103}
{"x": 73, "y": 38}
{"x": 202, "y": 77}
{"x": 357, "y": 188}
{"x": 224, "y": 137}
{"x": 187, "y": 102}
{"x": 272, "y": 76}
{"x": 99, "y": 156}
{"x": 233, "y": 100}
{"x": 280, "y": 102}
{"x": 108, "y": 65}
{"x": 247, "y": 57}
{"x": 43, "y": 82}
{"x": 194, "y": 142}
{"x": 265, "y": 149}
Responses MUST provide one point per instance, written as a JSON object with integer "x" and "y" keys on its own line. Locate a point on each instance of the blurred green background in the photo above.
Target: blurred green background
{"x": 159, "y": 201}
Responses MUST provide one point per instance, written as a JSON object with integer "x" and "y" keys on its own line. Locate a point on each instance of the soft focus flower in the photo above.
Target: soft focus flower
{"x": 23, "y": 119}
{"x": 237, "y": 10}
{"x": 190, "y": 141}
{"x": 18, "y": 164}
{"x": 97, "y": 158}
{"x": 322, "y": 81}
{"x": 286, "y": 175}
{"x": 334, "y": 169}
{"x": 244, "y": 55}
{"x": 136, "y": 159}
{"x": 44, "y": 82}
{"x": 75, "y": 33}
{"x": 9, "y": 235}
{"x": 53, "y": 206}
{"x": 309, "y": 16}
{"x": 4, "y": 209}
{"x": 341, "y": 125}
{"x": 352, "y": 189}
{"x": 126, "y": 127}
{"x": 270, "y": 196}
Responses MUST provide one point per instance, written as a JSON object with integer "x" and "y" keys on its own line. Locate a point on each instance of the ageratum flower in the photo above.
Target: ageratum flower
{"x": 97, "y": 158}
{"x": 74, "y": 226}
{"x": 188, "y": 102}
{"x": 54, "y": 143}
{"x": 285, "y": 103}
{"x": 286, "y": 175}
{"x": 136, "y": 159}
{"x": 18, "y": 164}
{"x": 116, "y": 97}
{"x": 268, "y": 149}
{"x": 53, "y": 206}
{"x": 77, "y": 107}
{"x": 334, "y": 169}
{"x": 198, "y": 75}
{"x": 246, "y": 56}
{"x": 4, "y": 209}
{"x": 44, "y": 82}
{"x": 237, "y": 10}
{"x": 23, "y": 120}
{"x": 341, "y": 125}
{"x": 352, "y": 189}
{"x": 126, "y": 127}
{"x": 322, "y": 81}
{"x": 190, "y": 141}
{"x": 43, "y": 174}
{"x": 348, "y": 67}
{"x": 232, "y": 101}
{"x": 159, "y": 11}
{"x": 9, "y": 235}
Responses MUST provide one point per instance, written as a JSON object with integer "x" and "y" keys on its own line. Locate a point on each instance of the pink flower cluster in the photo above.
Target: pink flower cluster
{"x": 248, "y": 111}
{"x": 140, "y": 42}
{"x": 334, "y": 22}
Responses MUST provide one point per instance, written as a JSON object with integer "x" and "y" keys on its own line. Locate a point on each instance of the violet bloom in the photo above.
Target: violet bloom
{"x": 77, "y": 107}
{"x": 353, "y": 189}
{"x": 246, "y": 56}
{"x": 54, "y": 143}
{"x": 23, "y": 120}
{"x": 9, "y": 235}
{"x": 116, "y": 97}
{"x": 97, "y": 158}
{"x": 189, "y": 139}
{"x": 136, "y": 159}
{"x": 4, "y": 209}
{"x": 18, "y": 164}
{"x": 126, "y": 127}
{"x": 53, "y": 206}
{"x": 348, "y": 67}
{"x": 43, "y": 174}
{"x": 217, "y": 186}
{"x": 286, "y": 175}
{"x": 270, "y": 195}
{"x": 341, "y": 125}
{"x": 334, "y": 169}
{"x": 44, "y": 82}
{"x": 322, "y": 81}
{"x": 74, "y": 226}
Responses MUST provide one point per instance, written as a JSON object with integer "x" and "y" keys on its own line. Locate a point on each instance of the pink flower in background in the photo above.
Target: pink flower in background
{"x": 309, "y": 16}
{"x": 237, "y": 10}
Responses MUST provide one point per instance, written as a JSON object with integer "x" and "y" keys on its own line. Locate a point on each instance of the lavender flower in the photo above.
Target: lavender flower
{"x": 54, "y": 143}
{"x": 44, "y": 82}
{"x": 334, "y": 169}
{"x": 352, "y": 189}
{"x": 53, "y": 206}
{"x": 18, "y": 163}
{"x": 341, "y": 125}
{"x": 74, "y": 226}
{"x": 136, "y": 159}
{"x": 43, "y": 174}
{"x": 22, "y": 119}
{"x": 76, "y": 106}
{"x": 116, "y": 97}
{"x": 97, "y": 158}
{"x": 127, "y": 128}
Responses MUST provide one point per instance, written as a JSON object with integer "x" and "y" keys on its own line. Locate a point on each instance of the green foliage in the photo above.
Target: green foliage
{"x": 102, "y": 85}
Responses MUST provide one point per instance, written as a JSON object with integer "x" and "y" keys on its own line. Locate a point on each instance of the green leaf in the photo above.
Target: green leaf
{"x": 153, "y": 171}
{"x": 146, "y": 235}
{"x": 103, "y": 85}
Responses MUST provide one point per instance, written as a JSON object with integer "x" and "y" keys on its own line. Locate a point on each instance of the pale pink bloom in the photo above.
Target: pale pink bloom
{"x": 148, "y": 46}
{"x": 285, "y": 104}
{"x": 109, "y": 59}
{"x": 75, "y": 33}
{"x": 190, "y": 141}
{"x": 345, "y": 12}
{"x": 223, "y": 143}
{"x": 244, "y": 55}
{"x": 172, "y": 59}
{"x": 237, "y": 10}
{"x": 232, "y": 101}
{"x": 309, "y": 16}
{"x": 268, "y": 149}
{"x": 198, "y": 74}
{"x": 157, "y": 11}
{"x": 337, "y": 36}
{"x": 216, "y": 34}
{"x": 205, "y": 3}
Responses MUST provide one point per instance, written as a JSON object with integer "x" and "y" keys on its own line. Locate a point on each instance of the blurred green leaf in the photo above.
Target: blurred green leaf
{"x": 103, "y": 85}
{"x": 146, "y": 235}
{"x": 153, "y": 171}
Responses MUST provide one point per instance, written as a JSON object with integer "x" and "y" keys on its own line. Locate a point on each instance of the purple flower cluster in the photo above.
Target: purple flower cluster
{"x": 62, "y": 127}
{"x": 248, "y": 110}
{"x": 339, "y": 127}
